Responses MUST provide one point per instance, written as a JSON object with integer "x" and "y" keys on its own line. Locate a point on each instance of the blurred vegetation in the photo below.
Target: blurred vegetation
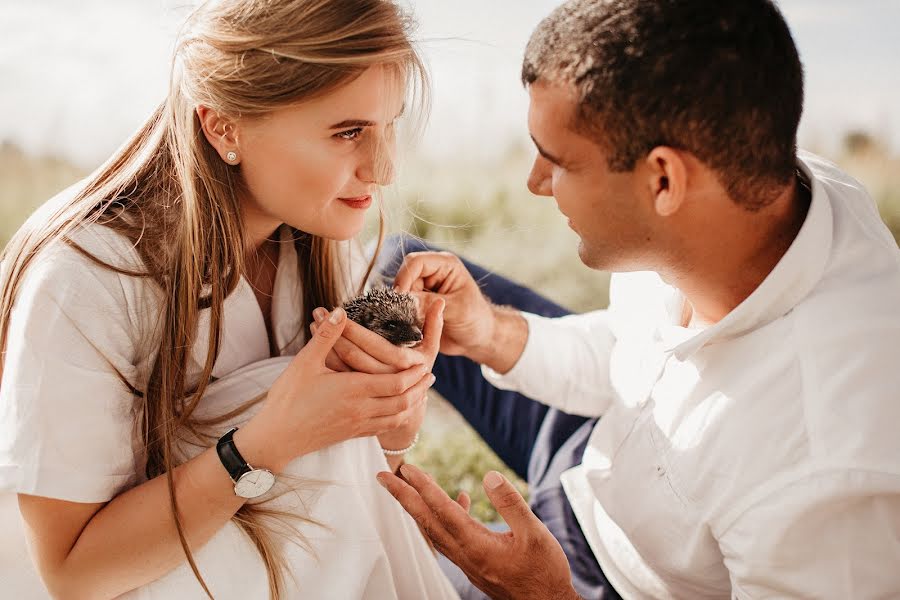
{"x": 483, "y": 211}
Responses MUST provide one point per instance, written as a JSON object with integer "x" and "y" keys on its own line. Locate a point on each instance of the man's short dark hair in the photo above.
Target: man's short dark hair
{"x": 718, "y": 78}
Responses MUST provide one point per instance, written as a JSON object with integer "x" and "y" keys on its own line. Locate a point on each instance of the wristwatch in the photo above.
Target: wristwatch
{"x": 248, "y": 482}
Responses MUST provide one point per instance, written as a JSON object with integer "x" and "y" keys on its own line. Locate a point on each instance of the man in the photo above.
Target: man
{"x": 741, "y": 395}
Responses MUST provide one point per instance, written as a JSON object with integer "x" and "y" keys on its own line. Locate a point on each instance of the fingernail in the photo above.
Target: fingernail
{"x": 406, "y": 470}
{"x": 431, "y": 379}
{"x": 493, "y": 480}
{"x": 337, "y": 315}
{"x": 318, "y": 314}
{"x": 380, "y": 479}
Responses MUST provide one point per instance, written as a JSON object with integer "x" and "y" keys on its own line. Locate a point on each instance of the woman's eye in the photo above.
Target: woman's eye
{"x": 350, "y": 134}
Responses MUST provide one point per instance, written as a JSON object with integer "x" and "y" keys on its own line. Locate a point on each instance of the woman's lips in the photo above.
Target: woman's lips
{"x": 361, "y": 202}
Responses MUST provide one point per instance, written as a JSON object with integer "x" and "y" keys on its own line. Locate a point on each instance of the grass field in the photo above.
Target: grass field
{"x": 484, "y": 212}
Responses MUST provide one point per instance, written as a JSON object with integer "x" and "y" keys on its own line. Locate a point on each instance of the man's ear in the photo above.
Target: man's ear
{"x": 667, "y": 178}
{"x": 221, "y": 133}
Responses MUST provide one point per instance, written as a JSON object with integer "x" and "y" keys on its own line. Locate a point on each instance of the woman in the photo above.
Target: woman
{"x": 156, "y": 306}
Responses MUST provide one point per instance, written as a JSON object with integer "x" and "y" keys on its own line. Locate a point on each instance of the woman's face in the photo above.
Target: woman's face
{"x": 316, "y": 165}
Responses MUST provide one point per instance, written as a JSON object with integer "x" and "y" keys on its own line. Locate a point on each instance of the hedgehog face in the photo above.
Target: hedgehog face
{"x": 398, "y": 332}
{"x": 392, "y": 315}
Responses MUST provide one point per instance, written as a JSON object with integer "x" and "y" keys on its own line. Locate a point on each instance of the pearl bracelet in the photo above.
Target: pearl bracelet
{"x": 405, "y": 450}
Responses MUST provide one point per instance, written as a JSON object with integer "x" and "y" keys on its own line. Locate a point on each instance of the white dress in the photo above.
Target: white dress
{"x": 67, "y": 432}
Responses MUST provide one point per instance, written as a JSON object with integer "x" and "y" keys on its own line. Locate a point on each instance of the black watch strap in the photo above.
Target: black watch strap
{"x": 231, "y": 459}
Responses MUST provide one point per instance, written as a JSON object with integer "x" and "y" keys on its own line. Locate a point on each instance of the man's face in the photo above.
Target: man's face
{"x": 604, "y": 208}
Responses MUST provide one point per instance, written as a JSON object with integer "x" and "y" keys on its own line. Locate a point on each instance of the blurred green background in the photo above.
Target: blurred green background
{"x": 481, "y": 210}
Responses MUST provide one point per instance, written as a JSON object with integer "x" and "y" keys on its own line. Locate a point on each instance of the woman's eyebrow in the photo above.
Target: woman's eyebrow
{"x": 349, "y": 123}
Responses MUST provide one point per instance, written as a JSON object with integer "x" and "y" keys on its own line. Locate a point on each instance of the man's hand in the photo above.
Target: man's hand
{"x": 524, "y": 563}
{"x": 469, "y": 316}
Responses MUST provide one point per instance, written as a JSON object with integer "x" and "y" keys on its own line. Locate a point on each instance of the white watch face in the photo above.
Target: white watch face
{"x": 254, "y": 483}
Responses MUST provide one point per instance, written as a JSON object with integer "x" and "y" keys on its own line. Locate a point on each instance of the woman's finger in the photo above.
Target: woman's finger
{"x": 379, "y": 348}
{"x": 414, "y": 396}
{"x": 380, "y": 386}
{"x": 333, "y": 362}
{"x": 355, "y": 359}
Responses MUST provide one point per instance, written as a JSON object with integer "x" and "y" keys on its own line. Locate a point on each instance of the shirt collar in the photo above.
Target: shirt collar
{"x": 244, "y": 337}
{"x": 792, "y": 279}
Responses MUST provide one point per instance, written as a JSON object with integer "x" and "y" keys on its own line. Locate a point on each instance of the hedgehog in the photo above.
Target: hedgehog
{"x": 392, "y": 315}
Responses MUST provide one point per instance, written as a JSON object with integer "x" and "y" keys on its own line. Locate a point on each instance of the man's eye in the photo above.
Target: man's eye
{"x": 350, "y": 134}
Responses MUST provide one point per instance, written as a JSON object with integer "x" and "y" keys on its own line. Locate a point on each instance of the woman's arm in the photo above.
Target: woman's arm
{"x": 104, "y": 550}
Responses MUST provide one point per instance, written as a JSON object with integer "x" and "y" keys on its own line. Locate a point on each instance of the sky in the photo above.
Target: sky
{"x": 76, "y": 78}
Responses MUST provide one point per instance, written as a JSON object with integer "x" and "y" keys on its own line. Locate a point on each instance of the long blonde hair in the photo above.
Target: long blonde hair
{"x": 169, "y": 192}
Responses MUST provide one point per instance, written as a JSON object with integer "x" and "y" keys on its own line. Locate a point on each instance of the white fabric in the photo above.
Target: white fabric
{"x": 758, "y": 457}
{"x": 67, "y": 431}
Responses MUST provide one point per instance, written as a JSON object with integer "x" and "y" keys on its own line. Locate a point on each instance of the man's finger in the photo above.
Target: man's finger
{"x": 464, "y": 500}
{"x": 509, "y": 503}
{"x": 412, "y": 503}
{"x": 416, "y": 267}
{"x": 434, "y": 325}
{"x": 453, "y": 519}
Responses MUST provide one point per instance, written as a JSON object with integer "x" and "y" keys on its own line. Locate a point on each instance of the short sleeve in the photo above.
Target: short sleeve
{"x": 66, "y": 416}
{"x": 831, "y": 535}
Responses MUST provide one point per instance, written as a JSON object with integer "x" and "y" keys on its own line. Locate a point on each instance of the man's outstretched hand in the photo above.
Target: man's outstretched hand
{"x": 524, "y": 563}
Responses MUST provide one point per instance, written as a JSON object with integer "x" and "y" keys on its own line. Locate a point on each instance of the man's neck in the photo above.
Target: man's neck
{"x": 734, "y": 258}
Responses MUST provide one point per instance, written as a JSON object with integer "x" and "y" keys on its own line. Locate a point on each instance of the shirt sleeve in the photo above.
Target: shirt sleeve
{"x": 565, "y": 363}
{"x": 66, "y": 416}
{"x": 831, "y": 535}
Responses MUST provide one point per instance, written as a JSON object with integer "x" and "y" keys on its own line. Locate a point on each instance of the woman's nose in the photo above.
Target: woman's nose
{"x": 378, "y": 165}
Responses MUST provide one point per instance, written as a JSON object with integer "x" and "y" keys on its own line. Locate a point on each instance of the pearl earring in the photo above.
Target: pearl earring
{"x": 231, "y": 156}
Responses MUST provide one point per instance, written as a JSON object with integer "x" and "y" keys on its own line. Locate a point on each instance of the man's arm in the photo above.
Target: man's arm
{"x": 563, "y": 363}
{"x": 501, "y": 351}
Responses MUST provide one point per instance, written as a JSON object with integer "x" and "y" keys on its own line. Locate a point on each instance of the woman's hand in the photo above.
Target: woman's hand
{"x": 362, "y": 350}
{"x": 310, "y": 406}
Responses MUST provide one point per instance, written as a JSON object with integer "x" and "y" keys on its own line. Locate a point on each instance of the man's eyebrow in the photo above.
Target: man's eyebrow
{"x": 351, "y": 123}
{"x": 546, "y": 154}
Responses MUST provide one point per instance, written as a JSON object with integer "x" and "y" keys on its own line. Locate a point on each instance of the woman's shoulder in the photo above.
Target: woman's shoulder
{"x": 92, "y": 241}
{"x": 91, "y": 272}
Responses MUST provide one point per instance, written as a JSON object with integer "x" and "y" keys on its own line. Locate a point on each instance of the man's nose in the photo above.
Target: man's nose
{"x": 539, "y": 180}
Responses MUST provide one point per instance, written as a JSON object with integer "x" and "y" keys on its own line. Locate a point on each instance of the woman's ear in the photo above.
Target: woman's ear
{"x": 667, "y": 179}
{"x": 220, "y": 133}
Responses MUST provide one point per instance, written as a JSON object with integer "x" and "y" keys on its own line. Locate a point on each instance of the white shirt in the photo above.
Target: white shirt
{"x": 758, "y": 457}
{"x": 67, "y": 432}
